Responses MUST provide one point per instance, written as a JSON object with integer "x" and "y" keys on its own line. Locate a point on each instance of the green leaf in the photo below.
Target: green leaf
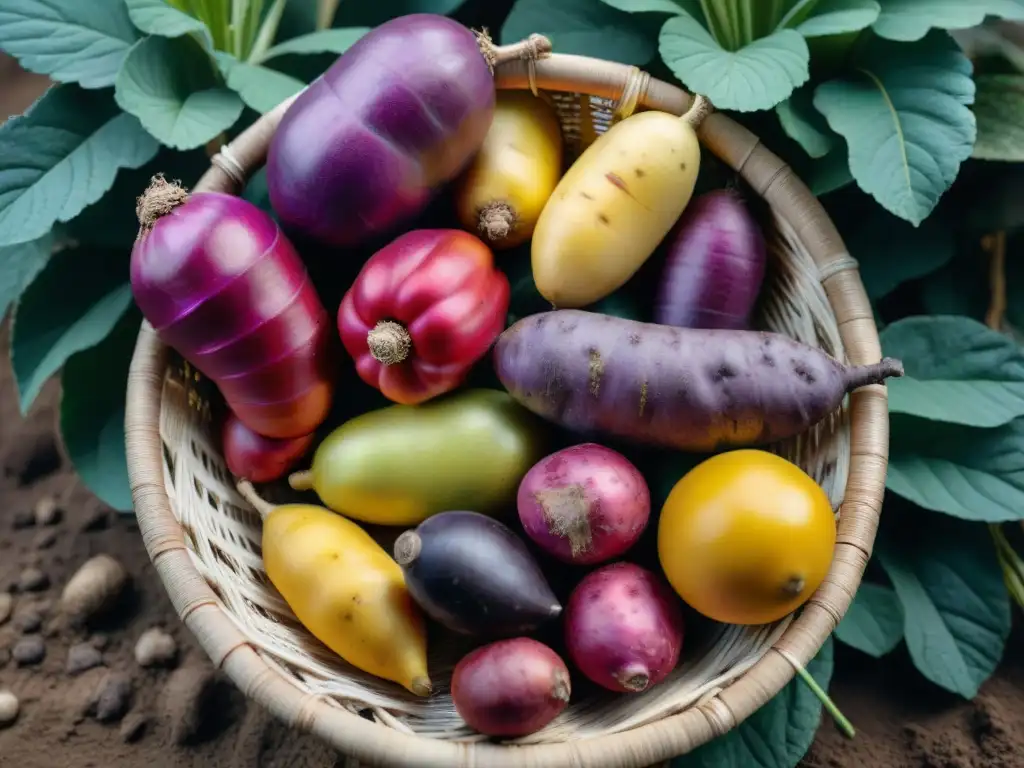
{"x": 908, "y": 20}
{"x": 370, "y": 14}
{"x": 173, "y": 86}
{"x": 61, "y": 156}
{"x": 955, "y": 605}
{"x": 19, "y": 265}
{"x": 957, "y": 370}
{"x": 757, "y": 76}
{"x": 834, "y": 17}
{"x": 967, "y": 472}
{"x": 76, "y": 41}
{"x": 777, "y": 735}
{"x": 873, "y": 624}
{"x": 999, "y": 110}
{"x": 92, "y": 412}
{"x": 804, "y": 124}
{"x": 829, "y": 173}
{"x": 582, "y": 27}
{"x": 891, "y": 251}
{"x": 673, "y": 7}
{"x": 261, "y": 88}
{"x": 94, "y": 292}
{"x": 903, "y": 110}
{"x": 156, "y": 17}
{"x": 324, "y": 41}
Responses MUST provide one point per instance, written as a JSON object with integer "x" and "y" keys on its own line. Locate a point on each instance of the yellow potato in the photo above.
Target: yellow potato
{"x": 504, "y": 189}
{"x": 347, "y": 591}
{"x": 614, "y": 206}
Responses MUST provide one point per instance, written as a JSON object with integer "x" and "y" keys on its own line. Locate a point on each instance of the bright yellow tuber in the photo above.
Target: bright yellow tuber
{"x": 504, "y": 189}
{"x": 345, "y": 589}
{"x": 615, "y": 205}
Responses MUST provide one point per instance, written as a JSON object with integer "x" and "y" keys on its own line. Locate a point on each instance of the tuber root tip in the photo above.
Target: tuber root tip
{"x": 634, "y": 678}
{"x": 532, "y": 48}
{"x": 389, "y": 342}
{"x": 794, "y": 586}
{"x": 248, "y": 492}
{"x": 699, "y": 109}
{"x": 407, "y": 548}
{"x": 160, "y": 198}
{"x": 876, "y": 373}
{"x": 421, "y": 686}
{"x": 301, "y": 481}
{"x": 496, "y": 221}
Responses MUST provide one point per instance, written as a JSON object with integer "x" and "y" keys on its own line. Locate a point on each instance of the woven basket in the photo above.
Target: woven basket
{"x": 204, "y": 539}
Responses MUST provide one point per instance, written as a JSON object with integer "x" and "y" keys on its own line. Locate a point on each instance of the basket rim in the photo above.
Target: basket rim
{"x": 377, "y": 744}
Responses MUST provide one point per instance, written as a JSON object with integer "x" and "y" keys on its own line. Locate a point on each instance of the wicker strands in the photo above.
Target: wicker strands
{"x": 204, "y": 539}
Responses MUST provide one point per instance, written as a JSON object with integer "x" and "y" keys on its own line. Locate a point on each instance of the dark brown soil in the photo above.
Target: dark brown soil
{"x": 188, "y": 715}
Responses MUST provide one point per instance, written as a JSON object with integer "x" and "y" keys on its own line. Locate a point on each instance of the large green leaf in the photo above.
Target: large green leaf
{"x": 829, "y": 173}
{"x": 891, "y": 251}
{"x": 19, "y": 265}
{"x": 364, "y": 13}
{"x": 955, "y": 605}
{"x": 175, "y": 89}
{"x": 324, "y": 41}
{"x": 583, "y": 27}
{"x": 903, "y": 110}
{"x": 831, "y": 17}
{"x": 73, "y": 41}
{"x": 261, "y": 88}
{"x": 907, "y": 20}
{"x": 777, "y": 735}
{"x": 873, "y": 624}
{"x": 804, "y": 124}
{"x": 157, "y": 17}
{"x": 999, "y": 110}
{"x": 62, "y": 156}
{"x": 671, "y": 7}
{"x": 968, "y": 472}
{"x": 757, "y": 76}
{"x": 72, "y": 305}
{"x": 957, "y": 370}
{"x": 92, "y": 412}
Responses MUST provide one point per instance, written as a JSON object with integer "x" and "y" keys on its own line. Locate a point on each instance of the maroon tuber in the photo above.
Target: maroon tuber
{"x": 260, "y": 459}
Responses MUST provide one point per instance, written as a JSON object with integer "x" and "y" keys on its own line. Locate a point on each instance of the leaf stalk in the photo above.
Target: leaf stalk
{"x": 844, "y": 725}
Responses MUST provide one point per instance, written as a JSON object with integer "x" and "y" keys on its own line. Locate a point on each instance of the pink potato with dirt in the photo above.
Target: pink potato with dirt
{"x": 624, "y": 628}
{"x": 585, "y": 504}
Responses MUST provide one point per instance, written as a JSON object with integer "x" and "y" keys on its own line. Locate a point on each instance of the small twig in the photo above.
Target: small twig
{"x": 844, "y": 725}
{"x": 995, "y": 245}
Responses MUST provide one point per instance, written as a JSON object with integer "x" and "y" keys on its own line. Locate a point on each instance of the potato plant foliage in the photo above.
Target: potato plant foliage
{"x": 904, "y": 117}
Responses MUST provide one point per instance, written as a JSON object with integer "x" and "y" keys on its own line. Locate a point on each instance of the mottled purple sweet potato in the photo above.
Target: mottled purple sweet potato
{"x": 687, "y": 389}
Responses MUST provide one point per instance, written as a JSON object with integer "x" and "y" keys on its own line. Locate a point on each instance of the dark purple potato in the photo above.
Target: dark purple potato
{"x": 473, "y": 575}
{"x": 715, "y": 265}
{"x": 399, "y": 114}
{"x": 687, "y": 389}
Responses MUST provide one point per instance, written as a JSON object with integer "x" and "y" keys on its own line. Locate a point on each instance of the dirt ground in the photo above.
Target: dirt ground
{"x": 85, "y": 701}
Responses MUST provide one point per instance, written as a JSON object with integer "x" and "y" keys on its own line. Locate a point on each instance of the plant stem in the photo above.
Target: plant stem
{"x": 268, "y": 31}
{"x": 326, "y": 10}
{"x": 844, "y": 725}
{"x": 995, "y": 244}
{"x": 236, "y": 26}
{"x": 717, "y": 25}
{"x": 1010, "y": 562}
{"x": 798, "y": 13}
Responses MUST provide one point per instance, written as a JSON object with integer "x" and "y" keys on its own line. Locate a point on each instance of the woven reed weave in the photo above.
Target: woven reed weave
{"x": 204, "y": 539}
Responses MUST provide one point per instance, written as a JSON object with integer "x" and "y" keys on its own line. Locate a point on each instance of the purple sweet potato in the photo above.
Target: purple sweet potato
{"x": 584, "y": 504}
{"x": 624, "y": 628}
{"x": 715, "y": 265}
{"x": 687, "y": 389}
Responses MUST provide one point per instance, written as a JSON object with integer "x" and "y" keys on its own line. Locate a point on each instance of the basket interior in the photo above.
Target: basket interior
{"x": 223, "y": 532}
